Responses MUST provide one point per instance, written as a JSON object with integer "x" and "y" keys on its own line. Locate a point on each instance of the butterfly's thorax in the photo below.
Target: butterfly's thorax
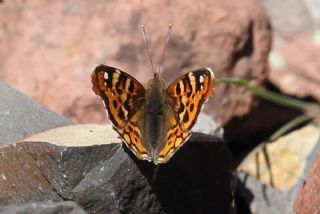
{"x": 155, "y": 112}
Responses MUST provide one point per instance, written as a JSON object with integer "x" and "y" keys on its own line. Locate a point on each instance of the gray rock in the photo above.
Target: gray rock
{"x": 207, "y": 125}
{"x": 109, "y": 179}
{"x": 103, "y": 178}
{"x": 261, "y": 199}
{"x": 20, "y": 116}
{"x": 43, "y": 207}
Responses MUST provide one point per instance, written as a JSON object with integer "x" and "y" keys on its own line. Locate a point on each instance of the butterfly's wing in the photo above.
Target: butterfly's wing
{"x": 187, "y": 95}
{"x": 174, "y": 139}
{"x": 185, "y": 99}
{"x": 124, "y": 98}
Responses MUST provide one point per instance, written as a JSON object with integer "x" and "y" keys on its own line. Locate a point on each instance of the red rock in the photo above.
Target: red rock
{"x": 297, "y": 70}
{"x": 308, "y": 198}
{"x": 296, "y": 48}
{"x": 48, "y": 49}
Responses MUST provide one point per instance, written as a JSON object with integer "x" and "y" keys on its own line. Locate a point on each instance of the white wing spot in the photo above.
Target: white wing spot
{"x": 211, "y": 72}
{"x": 201, "y": 79}
{"x": 106, "y": 75}
{"x": 201, "y": 87}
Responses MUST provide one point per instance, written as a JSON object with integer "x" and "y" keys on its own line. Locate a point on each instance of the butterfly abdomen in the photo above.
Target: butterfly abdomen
{"x": 154, "y": 115}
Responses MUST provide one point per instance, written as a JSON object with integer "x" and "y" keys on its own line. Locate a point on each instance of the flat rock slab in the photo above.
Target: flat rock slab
{"x": 102, "y": 176}
{"x": 287, "y": 156}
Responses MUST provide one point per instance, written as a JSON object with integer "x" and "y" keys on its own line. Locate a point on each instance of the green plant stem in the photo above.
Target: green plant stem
{"x": 268, "y": 95}
{"x": 289, "y": 126}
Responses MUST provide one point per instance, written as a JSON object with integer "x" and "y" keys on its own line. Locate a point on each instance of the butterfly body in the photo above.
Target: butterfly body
{"x": 153, "y": 122}
{"x": 154, "y": 112}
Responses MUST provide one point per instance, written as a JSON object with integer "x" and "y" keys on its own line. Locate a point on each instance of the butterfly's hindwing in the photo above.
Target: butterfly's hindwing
{"x": 174, "y": 139}
{"x": 131, "y": 134}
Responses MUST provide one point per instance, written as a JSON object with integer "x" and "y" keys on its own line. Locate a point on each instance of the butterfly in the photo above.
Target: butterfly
{"x": 153, "y": 122}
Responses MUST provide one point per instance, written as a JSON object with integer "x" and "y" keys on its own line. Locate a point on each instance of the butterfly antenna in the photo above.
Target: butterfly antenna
{"x": 165, "y": 46}
{"x": 147, "y": 45}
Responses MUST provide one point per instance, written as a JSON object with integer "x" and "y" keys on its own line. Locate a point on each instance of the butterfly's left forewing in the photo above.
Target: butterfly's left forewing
{"x": 123, "y": 97}
{"x": 185, "y": 98}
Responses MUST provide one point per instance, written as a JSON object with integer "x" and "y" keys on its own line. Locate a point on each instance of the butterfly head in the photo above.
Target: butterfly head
{"x": 156, "y": 82}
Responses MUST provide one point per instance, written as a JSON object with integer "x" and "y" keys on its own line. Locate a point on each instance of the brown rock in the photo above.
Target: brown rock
{"x": 295, "y": 70}
{"x": 308, "y": 198}
{"x": 295, "y": 56}
{"x": 50, "y": 57}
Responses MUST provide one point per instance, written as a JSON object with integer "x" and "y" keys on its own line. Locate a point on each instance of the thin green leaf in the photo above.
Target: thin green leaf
{"x": 289, "y": 126}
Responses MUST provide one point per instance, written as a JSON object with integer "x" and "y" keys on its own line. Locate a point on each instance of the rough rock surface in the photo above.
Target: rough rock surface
{"x": 50, "y": 58}
{"x": 106, "y": 178}
{"x": 308, "y": 198}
